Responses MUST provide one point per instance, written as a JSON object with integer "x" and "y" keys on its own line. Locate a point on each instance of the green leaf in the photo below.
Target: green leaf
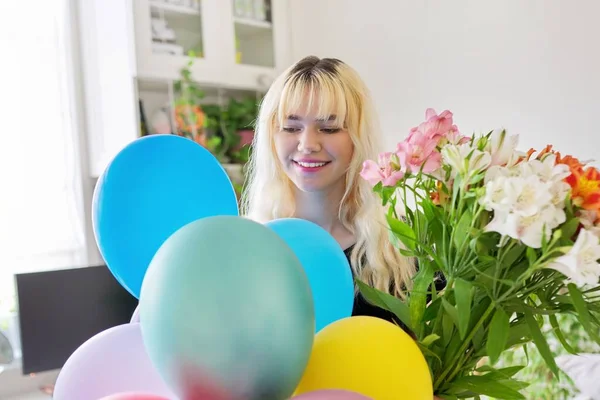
{"x": 481, "y": 305}
{"x": 429, "y": 339}
{"x": 514, "y": 384}
{"x": 518, "y": 333}
{"x": 478, "y": 338}
{"x": 429, "y": 211}
{"x": 418, "y": 296}
{"x": 450, "y": 312}
{"x": 378, "y": 187}
{"x": 410, "y": 215}
{"x": 403, "y": 232}
{"x": 428, "y": 353}
{"x": 437, "y": 230}
{"x": 540, "y": 342}
{"x": 447, "y": 329}
{"x": 386, "y": 301}
{"x": 513, "y": 255}
{"x": 447, "y": 397}
{"x": 569, "y": 228}
{"x": 452, "y": 348}
{"x": 583, "y": 314}
{"x": 498, "y": 334}
{"x": 464, "y": 294}
{"x": 486, "y": 242}
{"x": 501, "y": 373}
{"x": 460, "y": 234}
{"x": 559, "y": 335}
{"x": 432, "y": 310}
{"x": 489, "y": 387}
{"x": 531, "y": 256}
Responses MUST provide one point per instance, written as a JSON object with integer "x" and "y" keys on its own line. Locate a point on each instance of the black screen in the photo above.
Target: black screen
{"x": 60, "y": 310}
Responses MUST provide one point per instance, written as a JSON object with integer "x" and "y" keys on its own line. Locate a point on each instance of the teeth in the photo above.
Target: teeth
{"x": 310, "y": 165}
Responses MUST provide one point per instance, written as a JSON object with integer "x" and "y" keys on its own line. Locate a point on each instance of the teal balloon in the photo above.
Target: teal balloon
{"x": 227, "y": 309}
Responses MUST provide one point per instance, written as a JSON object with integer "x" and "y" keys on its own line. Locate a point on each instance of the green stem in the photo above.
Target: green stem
{"x": 438, "y": 317}
{"x": 458, "y": 365}
{"x": 464, "y": 346}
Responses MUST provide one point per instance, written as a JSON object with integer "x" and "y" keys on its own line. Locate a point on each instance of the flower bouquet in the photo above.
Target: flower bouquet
{"x": 516, "y": 237}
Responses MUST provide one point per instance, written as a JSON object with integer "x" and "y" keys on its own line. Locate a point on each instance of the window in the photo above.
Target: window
{"x": 41, "y": 202}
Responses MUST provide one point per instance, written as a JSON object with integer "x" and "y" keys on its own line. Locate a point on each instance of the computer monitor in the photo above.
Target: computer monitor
{"x": 59, "y": 310}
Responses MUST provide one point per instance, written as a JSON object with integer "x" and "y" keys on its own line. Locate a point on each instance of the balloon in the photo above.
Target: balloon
{"x": 153, "y": 187}
{"x": 135, "y": 317}
{"x": 370, "y": 356}
{"x": 134, "y": 396}
{"x": 331, "y": 395}
{"x": 325, "y": 265}
{"x": 226, "y": 301}
{"x": 113, "y": 361}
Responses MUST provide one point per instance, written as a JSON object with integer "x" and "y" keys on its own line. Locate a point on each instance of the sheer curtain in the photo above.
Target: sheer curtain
{"x": 41, "y": 210}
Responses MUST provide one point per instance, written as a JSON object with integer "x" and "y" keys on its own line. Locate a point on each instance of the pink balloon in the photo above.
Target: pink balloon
{"x": 134, "y": 396}
{"x": 331, "y": 395}
{"x": 113, "y": 361}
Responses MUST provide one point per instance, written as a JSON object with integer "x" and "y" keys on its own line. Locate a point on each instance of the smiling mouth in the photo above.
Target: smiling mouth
{"x": 311, "y": 164}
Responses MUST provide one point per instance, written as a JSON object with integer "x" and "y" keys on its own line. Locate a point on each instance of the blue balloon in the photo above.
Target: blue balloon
{"x": 153, "y": 187}
{"x": 324, "y": 263}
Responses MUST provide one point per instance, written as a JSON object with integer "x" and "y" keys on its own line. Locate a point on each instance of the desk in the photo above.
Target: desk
{"x": 30, "y": 396}
{"x": 16, "y": 386}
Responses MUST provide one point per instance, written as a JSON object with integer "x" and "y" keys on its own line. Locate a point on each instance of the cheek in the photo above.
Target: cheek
{"x": 284, "y": 146}
{"x": 343, "y": 150}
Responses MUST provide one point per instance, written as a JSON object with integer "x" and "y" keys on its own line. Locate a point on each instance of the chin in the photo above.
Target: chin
{"x": 310, "y": 187}
{"x": 314, "y": 186}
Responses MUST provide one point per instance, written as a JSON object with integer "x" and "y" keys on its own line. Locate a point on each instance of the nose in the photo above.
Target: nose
{"x": 309, "y": 141}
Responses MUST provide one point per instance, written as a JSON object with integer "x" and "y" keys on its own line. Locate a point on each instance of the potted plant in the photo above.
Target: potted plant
{"x": 226, "y": 131}
{"x": 191, "y": 119}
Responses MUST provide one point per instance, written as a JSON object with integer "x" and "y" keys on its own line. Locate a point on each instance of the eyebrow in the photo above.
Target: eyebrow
{"x": 294, "y": 117}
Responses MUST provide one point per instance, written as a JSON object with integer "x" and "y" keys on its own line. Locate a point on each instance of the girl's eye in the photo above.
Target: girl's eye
{"x": 290, "y": 129}
{"x": 330, "y": 130}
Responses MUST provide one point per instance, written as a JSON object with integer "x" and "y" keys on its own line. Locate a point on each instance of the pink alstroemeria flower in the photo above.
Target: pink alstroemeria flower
{"x": 419, "y": 151}
{"x": 386, "y": 171}
{"x": 439, "y": 127}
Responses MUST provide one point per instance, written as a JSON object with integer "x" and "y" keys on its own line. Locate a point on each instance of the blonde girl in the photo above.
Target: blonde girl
{"x": 315, "y": 128}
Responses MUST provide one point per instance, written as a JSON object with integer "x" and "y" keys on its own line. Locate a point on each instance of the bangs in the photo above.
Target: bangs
{"x": 320, "y": 93}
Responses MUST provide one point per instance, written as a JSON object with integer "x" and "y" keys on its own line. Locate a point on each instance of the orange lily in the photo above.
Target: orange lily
{"x": 585, "y": 188}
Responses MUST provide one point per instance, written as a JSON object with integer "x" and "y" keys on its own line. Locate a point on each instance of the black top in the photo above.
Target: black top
{"x": 363, "y": 307}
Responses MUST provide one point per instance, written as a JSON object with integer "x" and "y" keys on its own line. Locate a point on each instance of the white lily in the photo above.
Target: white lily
{"x": 527, "y": 196}
{"x": 495, "y": 195}
{"x": 588, "y": 219}
{"x": 502, "y": 148}
{"x": 523, "y": 208}
{"x": 496, "y": 171}
{"x": 546, "y": 169}
{"x": 580, "y": 263}
{"x": 549, "y": 172}
{"x": 530, "y": 230}
{"x": 465, "y": 160}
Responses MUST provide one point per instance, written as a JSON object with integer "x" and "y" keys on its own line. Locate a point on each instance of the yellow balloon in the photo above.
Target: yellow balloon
{"x": 370, "y": 356}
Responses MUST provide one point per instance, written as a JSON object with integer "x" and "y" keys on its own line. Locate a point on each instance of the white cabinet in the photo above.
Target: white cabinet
{"x": 134, "y": 50}
{"x": 236, "y": 45}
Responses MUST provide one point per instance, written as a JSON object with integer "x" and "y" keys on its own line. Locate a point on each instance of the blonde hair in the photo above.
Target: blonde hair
{"x": 336, "y": 89}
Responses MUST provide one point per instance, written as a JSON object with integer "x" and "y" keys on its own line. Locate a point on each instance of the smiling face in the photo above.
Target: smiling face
{"x": 314, "y": 148}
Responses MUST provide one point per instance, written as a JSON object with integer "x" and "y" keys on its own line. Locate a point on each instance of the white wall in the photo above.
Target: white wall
{"x": 531, "y": 66}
